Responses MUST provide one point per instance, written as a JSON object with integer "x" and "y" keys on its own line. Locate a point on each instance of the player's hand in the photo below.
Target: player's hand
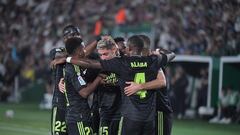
{"x": 61, "y": 86}
{"x": 57, "y": 61}
{"x": 156, "y": 52}
{"x": 132, "y": 88}
{"x": 103, "y": 76}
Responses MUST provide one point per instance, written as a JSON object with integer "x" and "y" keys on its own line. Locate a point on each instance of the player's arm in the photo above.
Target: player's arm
{"x": 159, "y": 82}
{"x": 170, "y": 55}
{"x": 61, "y": 85}
{"x": 92, "y": 46}
{"x": 163, "y": 57}
{"x": 91, "y": 87}
{"x": 85, "y": 63}
{"x": 84, "y": 91}
{"x": 112, "y": 65}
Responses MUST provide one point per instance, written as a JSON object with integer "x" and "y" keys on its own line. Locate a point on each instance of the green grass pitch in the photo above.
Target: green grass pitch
{"x": 29, "y": 120}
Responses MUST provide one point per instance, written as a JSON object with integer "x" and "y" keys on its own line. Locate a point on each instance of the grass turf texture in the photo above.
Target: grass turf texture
{"x": 29, "y": 120}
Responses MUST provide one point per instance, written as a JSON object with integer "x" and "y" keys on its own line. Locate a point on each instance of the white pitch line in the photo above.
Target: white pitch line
{"x": 22, "y": 126}
{"x": 30, "y": 131}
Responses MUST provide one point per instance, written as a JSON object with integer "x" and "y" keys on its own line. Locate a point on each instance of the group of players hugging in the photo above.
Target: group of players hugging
{"x": 109, "y": 87}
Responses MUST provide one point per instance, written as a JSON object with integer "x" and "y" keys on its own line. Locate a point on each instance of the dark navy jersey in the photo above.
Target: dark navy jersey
{"x": 142, "y": 105}
{"x": 109, "y": 97}
{"x": 163, "y": 100}
{"x": 77, "y": 106}
{"x": 58, "y": 97}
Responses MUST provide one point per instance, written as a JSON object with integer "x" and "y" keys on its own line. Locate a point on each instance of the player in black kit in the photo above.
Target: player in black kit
{"x": 109, "y": 95}
{"x": 76, "y": 80}
{"x": 138, "y": 110}
{"x": 58, "y": 126}
{"x": 164, "y": 110}
{"x": 78, "y": 110}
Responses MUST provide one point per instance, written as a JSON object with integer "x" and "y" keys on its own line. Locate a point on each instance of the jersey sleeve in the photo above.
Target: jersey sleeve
{"x": 159, "y": 62}
{"x": 91, "y": 75}
{"x": 113, "y": 65}
{"x": 77, "y": 81}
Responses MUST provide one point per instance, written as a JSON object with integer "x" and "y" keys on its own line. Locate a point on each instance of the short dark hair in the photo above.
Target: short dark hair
{"x": 119, "y": 39}
{"x": 54, "y": 51}
{"x": 136, "y": 42}
{"x": 72, "y": 44}
{"x": 146, "y": 41}
{"x": 71, "y": 31}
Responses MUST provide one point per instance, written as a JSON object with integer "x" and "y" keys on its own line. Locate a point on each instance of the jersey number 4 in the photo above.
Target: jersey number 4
{"x": 140, "y": 78}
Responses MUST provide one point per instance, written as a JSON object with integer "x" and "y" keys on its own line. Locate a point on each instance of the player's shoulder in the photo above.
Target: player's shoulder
{"x": 154, "y": 57}
{"x": 69, "y": 68}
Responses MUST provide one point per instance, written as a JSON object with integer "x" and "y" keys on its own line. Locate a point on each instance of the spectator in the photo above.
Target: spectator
{"x": 179, "y": 85}
{"x": 228, "y": 105}
{"x": 186, "y": 27}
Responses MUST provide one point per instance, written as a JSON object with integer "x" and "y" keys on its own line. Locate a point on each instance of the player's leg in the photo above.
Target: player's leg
{"x": 167, "y": 121}
{"x": 79, "y": 128}
{"x": 104, "y": 127}
{"x": 130, "y": 127}
{"x": 113, "y": 127}
{"x": 164, "y": 123}
{"x": 53, "y": 119}
{"x": 149, "y": 128}
{"x": 95, "y": 120}
{"x": 58, "y": 121}
{"x": 87, "y": 127}
{"x": 75, "y": 129}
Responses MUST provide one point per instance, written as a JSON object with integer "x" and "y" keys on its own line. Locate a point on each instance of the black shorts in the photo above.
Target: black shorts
{"x": 95, "y": 122}
{"x": 58, "y": 126}
{"x": 108, "y": 127}
{"x": 130, "y": 127}
{"x": 163, "y": 123}
{"x": 79, "y": 128}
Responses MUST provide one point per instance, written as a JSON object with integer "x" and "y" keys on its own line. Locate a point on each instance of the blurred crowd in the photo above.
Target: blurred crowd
{"x": 29, "y": 29}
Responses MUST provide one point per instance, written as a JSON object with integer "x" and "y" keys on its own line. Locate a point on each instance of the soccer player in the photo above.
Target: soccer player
{"x": 164, "y": 111}
{"x": 59, "y": 104}
{"x": 109, "y": 95}
{"x": 138, "y": 110}
{"x": 164, "y": 108}
{"x": 78, "y": 110}
{"x": 121, "y": 45}
{"x": 76, "y": 79}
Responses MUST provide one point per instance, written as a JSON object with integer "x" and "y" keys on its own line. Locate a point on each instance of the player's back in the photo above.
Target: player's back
{"x": 78, "y": 107}
{"x": 141, "y": 106}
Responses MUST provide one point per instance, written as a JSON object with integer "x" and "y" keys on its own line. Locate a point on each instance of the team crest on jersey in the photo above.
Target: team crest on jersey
{"x": 81, "y": 81}
{"x": 111, "y": 79}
